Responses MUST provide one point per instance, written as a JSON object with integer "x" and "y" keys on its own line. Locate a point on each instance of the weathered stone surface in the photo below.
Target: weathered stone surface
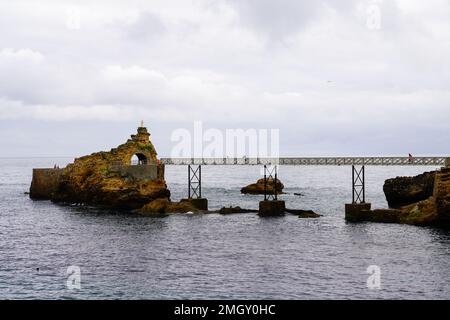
{"x": 420, "y": 213}
{"x": 164, "y": 206}
{"x": 45, "y": 182}
{"x": 107, "y": 179}
{"x": 199, "y": 203}
{"x": 356, "y": 211}
{"x": 384, "y": 215}
{"x": 272, "y": 208}
{"x": 403, "y": 191}
{"x": 258, "y": 187}
{"x": 138, "y": 172}
{"x": 442, "y": 196}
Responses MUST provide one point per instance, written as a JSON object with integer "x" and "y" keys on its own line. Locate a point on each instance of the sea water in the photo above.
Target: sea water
{"x": 241, "y": 256}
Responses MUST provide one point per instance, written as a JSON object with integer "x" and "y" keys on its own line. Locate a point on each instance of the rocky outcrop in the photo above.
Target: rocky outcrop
{"x": 378, "y": 215}
{"x": 419, "y": 205}
{"x": 402, "y": 191}
{"x": 164, "y": 206}
{"x": 441, "y": 196}
{"x": 258, "y": 187}
{"x": 45, "y": 182}
{"x": 107, "y": 179}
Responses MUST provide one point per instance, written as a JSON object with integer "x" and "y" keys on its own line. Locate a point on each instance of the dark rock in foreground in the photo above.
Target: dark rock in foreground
{"x": 258, "y": 187}
{"x": 231, "y": 210}
{"x": 303, "y": 213}
{"x": 164, "y": 206}
{"x": 403, "y": 191}
{"x": 379, "y": 215}
{"x": 274, "y": 208}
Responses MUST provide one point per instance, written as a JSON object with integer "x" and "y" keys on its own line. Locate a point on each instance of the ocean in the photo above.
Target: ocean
{"x": 121, "y": 255}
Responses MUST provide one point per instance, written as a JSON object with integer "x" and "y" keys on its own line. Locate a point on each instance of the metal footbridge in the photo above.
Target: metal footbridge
{"x": 312, "y": 161}
{"x": 270, "y": 168}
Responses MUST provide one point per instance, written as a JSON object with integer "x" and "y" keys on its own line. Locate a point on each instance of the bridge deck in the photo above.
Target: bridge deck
{"x": 319, "y": 161}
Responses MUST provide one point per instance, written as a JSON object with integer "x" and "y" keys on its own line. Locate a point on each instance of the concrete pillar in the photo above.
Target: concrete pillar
{"x": 199, "y": 203}
{"x": 269, "y": 208}
{"x": 357, "y": 211}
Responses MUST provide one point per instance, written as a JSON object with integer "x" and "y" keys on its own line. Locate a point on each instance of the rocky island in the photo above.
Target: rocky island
{"x": 259, "y": 187}
{"x": 108, "y": 179}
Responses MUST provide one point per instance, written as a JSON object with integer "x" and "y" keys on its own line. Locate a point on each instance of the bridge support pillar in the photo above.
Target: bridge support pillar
{"x": 358, "y": 185}
{"x": 271, "y": 206}
{"x": 355, "y": 211}
{"x": 358, "y": 206}
{"x": 195, "y": 188}
{"x": 270, "y": 173}
{"x": 198, "y": 203}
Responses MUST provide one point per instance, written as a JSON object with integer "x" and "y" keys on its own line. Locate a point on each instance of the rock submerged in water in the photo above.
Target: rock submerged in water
{"x": 258, "y": 187}
{"x": 299, "y": 213}
{"x": 164, "y": 206}
{"x": 303, "y": 213}
{"x": 231, "y": 210}
{"x": 378, "y": 215}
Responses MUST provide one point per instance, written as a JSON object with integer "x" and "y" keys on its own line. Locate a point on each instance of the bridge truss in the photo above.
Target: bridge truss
{"x": 310, "y": 161}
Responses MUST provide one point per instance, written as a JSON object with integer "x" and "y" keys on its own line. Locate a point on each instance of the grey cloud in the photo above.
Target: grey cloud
{"x": 147, "y": 26}
{"x": 227, "y": 75}
{"x": 278, "y": 19}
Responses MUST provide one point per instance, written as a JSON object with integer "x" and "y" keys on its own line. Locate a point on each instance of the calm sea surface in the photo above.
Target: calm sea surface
{"x": 242, "y": 256}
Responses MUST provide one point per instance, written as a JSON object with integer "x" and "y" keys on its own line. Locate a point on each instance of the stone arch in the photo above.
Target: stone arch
{"x": 138, "y": 159}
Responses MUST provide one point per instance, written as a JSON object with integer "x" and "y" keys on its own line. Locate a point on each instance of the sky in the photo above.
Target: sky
{"x": 349, "y": 77}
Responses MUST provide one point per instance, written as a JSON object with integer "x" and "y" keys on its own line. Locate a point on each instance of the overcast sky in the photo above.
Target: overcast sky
{"x": 77, "y": 77}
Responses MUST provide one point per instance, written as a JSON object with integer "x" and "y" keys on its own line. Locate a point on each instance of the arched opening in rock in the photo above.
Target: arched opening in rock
{"x": 138, "y": 159}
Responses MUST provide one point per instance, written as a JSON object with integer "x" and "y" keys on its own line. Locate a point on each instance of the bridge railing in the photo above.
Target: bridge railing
{"x": 219, "y": 161}
{"x": 312, "y": 161}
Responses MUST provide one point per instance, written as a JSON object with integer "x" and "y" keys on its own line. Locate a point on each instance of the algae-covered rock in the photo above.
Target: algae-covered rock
{"x": 108, "y": 179}
{"x": 165, "y": 206}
